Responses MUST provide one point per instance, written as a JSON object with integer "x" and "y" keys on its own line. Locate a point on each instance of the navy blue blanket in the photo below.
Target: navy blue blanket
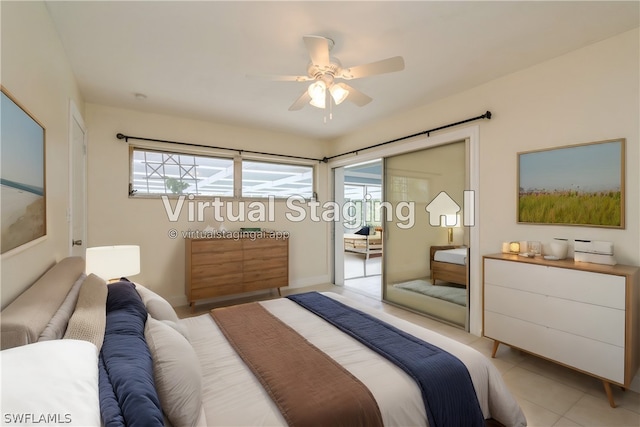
{"x": 127, "y": 390}
{"x": 447, "y": 390}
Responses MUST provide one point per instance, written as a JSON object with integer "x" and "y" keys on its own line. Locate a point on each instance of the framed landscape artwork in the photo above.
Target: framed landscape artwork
{"x": 22, "y": 175}
{"x": 573, "y": 185}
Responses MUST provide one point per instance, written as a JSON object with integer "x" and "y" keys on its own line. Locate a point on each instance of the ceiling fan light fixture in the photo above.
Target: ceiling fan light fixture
{"x": 317, "y": 103}
{"x": 339, "y": 93}
{"x": 317, "y": 91}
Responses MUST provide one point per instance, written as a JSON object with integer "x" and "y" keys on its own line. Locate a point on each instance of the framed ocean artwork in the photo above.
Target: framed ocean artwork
{"x": 22, "y": 175}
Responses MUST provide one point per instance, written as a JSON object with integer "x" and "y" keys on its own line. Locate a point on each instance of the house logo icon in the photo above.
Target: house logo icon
{"x": 443, "y": 210}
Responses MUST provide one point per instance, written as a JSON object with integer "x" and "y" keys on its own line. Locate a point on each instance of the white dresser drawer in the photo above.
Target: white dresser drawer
{"x": 594, "y": 288}
{"x": 598, "y": 358}
{"x": 515, "y": 275}
{"x": 588, "y": 320}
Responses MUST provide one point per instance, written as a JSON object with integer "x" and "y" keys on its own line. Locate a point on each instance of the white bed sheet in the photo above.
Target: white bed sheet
{"x": 232, "y": 396}
{"x": 452, "y": 256}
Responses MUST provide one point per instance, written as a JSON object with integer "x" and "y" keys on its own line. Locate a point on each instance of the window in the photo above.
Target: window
{"x": 365, "y": 201}
{"x": 262, "y": 179}
{"x": 155, "y": 172}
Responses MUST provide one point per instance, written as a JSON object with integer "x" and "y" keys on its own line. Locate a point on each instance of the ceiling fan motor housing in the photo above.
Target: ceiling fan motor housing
{"x": 325, "y": 72}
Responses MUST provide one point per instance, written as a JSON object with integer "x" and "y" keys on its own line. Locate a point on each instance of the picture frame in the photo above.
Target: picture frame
{"x": 22, "y": 175}
{"x": 580, "y": 184}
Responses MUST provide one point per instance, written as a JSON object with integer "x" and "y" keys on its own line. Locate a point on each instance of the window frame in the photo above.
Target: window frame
{"x": 237, "y": 184}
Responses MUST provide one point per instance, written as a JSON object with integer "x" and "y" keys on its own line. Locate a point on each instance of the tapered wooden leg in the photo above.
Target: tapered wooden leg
{"x": 607, "y": 390}
{"x": 279, "y": 293}
{"x": 495, "y": 348}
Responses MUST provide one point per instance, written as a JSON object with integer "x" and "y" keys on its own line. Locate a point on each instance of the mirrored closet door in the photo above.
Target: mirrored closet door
{"x": 426, "y": 248}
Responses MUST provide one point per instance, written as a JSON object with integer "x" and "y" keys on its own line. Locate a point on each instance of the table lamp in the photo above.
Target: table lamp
{"x": 113, "y": 262}
{"x": 449, "y": 221}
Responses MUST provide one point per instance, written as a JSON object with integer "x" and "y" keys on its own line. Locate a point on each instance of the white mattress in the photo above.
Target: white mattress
{"x": 452, "y": 256}
{"x": 232, "y": 396}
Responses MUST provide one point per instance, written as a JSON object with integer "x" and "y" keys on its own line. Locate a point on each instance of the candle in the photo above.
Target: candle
{"x": 524, "y": 247}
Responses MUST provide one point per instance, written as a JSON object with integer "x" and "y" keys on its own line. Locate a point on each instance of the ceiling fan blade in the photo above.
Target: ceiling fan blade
{"x": 355, "y": 96}
{"x": 301, "y": 101}
{"x": 388, "y": 65}
{"x": 278, "y": 78}
{"x": 318, "y": 48}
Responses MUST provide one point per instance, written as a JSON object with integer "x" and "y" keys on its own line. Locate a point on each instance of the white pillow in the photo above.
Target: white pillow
{"x": 51, "y": 383}
{"x": 177, "y": 373}
{"x": 160, "y": 309}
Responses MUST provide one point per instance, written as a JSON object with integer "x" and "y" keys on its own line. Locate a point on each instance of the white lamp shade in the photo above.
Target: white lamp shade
{"x": 316, "y": 91}
{"x": 113, "y": 262}
{"x": 339, "y": 93}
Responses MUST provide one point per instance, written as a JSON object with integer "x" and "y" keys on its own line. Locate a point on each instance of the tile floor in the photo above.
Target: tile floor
{"x": 549, "y": 394}
{"x": 363, "y": 275}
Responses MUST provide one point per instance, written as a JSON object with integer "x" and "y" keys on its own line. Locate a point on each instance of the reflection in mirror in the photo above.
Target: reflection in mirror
{"x": 426, "y": 259}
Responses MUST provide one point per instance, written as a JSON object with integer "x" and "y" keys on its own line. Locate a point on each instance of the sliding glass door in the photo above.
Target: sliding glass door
{"x": 423, "y": 193}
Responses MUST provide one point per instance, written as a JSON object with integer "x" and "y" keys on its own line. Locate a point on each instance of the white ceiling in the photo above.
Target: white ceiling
{"x": 191, "y": 59}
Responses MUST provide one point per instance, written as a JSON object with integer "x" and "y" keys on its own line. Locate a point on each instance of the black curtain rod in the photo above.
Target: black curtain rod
{"x": 239, "y": 151}
{"x": 486, "y": 115}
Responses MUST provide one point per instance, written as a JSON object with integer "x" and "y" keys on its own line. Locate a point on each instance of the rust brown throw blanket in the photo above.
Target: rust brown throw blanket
{"x": 308, "y": 386}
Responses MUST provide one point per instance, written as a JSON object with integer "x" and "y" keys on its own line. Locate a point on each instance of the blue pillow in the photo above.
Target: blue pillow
{"x": 364, "y": 231}
{"x": 123, "y": 294}
{"x": 126, "y": 376}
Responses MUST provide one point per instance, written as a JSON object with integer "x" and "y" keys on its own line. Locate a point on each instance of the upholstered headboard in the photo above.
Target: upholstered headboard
{"x": 23, "y": 321}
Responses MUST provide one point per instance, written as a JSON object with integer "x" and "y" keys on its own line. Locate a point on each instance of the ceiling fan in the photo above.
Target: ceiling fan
{"x": 323, "y": 71}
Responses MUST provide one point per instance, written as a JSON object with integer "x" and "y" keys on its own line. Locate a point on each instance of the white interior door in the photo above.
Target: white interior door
{"x": 77, "y": 182}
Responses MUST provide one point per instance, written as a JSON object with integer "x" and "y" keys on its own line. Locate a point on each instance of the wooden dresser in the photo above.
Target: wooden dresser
{"x": 223, "y": 266}
{"x": 581, "y": 315}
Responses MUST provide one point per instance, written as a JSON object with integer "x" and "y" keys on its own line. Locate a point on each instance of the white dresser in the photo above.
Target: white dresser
{"x": 581, "y": 315}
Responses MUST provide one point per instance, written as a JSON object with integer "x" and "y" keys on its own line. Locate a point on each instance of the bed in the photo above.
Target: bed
{"x": 449, "y": 264}
{"x": 73, "y": 331}
{"x": 362, "y": 242}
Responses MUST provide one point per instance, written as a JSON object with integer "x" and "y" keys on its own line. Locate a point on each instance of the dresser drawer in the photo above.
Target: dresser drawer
{"x": 595, "y": 357}
{"x": 215, "y": 245}
{"x": 588, "y": 320}
{"x": 595, "y": 288}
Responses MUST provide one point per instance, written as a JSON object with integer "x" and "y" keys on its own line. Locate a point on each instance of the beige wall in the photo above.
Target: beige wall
{"x": 35, "y": 71}
{"x": 591, "y": 94}
{"x": 115, "y": 218}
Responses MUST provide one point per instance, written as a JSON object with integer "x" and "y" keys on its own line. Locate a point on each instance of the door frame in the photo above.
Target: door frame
{"x": 338, "y": 232}
{"x": 75, "y": 118}
{"x": 472, "y": 196}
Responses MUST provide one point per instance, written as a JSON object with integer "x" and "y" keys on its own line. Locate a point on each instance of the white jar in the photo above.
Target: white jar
{"x": 559, "y": 249}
